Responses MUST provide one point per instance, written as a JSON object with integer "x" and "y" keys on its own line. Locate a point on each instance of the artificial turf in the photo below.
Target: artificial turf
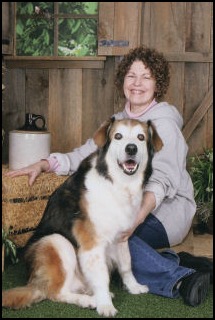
{"x": 129, "y": 306}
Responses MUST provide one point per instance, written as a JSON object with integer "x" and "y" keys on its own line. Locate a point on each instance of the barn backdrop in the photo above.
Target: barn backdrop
{"x": 77, "y": 94}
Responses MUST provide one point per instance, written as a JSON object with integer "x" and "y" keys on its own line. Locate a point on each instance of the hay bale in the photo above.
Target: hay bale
{"x": 23, "y": 206}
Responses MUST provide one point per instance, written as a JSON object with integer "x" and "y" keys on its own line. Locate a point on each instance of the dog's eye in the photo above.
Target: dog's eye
{"x": 118, "y": 136}
{"x": 141, "y": 137}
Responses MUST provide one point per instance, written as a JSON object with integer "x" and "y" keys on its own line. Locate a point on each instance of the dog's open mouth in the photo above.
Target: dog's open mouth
{"x": 129, "y": 166}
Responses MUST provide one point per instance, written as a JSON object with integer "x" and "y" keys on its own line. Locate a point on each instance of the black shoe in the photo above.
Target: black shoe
{"x": 194, "y": 288}
{"x": 201, "y": 264}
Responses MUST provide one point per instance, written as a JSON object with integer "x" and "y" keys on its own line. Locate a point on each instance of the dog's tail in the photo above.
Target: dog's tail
{"x": 21, "y": 297}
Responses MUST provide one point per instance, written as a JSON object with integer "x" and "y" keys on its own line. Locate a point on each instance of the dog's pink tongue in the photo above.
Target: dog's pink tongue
{"x": 129, "y": 165}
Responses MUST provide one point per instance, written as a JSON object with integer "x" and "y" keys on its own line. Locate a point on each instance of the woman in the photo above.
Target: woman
{"x": 168, "y": 204}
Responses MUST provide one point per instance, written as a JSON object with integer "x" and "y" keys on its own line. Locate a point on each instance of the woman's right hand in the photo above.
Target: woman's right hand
{"x": 33, "y": 171}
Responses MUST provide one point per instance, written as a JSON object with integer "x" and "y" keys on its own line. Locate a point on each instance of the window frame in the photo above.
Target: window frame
{"x": 115, "y": 38}
{"x": 55, "y": 56}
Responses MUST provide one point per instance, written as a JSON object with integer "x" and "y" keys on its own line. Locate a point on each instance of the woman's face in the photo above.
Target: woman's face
{"x": 139, "y": 86}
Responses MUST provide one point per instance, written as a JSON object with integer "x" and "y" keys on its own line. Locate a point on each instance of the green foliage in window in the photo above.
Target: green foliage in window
{"x": 76, "y": 36}
{"x": 34, "y": 29}
{"x": 78, "y": 7}
{"x": 25, "y": 8}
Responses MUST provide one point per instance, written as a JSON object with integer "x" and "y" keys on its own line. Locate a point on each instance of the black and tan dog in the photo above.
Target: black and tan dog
{"x": 76, "y": 243}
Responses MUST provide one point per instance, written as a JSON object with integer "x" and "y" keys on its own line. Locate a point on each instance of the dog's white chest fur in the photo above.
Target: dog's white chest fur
{"x": 113, "y": 209}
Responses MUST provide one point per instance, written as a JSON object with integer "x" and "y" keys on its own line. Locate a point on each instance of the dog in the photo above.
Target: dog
{"x": 76, "y": 243}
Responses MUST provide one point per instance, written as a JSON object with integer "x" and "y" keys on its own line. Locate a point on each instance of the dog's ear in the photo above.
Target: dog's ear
{"x": 154, "y": 137}
{"x": 101, "y": 135}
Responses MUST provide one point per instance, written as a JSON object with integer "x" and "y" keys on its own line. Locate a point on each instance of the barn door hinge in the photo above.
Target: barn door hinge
{"x": 113, "y": 43}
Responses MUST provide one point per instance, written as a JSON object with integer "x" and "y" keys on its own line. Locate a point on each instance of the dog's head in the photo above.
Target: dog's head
{"x": 130, "y": 143}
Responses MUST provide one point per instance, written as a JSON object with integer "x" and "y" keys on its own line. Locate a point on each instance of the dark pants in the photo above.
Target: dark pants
{"x": 159, "y": 271}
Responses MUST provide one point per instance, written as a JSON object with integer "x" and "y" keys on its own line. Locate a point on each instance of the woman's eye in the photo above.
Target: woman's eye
{"x": 141, "y": 137}
{"x": 118, "y": 136}
{"x": 129, "y": 76}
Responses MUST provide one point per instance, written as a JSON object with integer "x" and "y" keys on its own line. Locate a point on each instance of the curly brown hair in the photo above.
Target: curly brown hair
{"x": 153, "y": 60}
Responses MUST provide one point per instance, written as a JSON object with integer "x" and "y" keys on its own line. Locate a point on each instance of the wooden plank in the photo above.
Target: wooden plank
{"x": 53, "y": 58}
{"x": 99, "y": 64}
{"x": 65, "y": 109}
{"x": 5, "y": 20}
{"x": 106, "y": 26}
{"x": 37, "y": 91}
{"x": 127, "y": 24}
{"x": 98, "y": 104}
{"x": 7, "y": 28}
{"x": 198, "y": 245}
{"x": 115, "y": 21}
{"x": 176, "y": 85}
{"x": 189, "y": 56}
{"x": 15, "y": 97}
{"x": 13, "y": 112}
{"x": 209, "y": 129}
{"x": 183, "y": 32}
{"x": 203, "y": 245}
{"x": 53, "y": 64}
{"x": 145, "y": 35}
{"x": 187, "y": 245}
{"x": 198, "y": 26}
{"x": 119, "y": 102}
{"x": 196, "y": 77}
{"x": 211, "y": 32}
{"x": 167, "y": 27}
{"x": 198, "y": 114}
{"x": 166, "y": 16}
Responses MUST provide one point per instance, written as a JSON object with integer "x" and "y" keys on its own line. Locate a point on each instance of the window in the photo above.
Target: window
{"x": 56, "y": 28}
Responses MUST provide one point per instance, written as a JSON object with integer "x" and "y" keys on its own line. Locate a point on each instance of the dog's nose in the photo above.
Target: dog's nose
{"x": 131, "y": 149}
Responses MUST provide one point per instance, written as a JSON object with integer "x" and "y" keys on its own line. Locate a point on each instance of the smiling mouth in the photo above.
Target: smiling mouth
{"x": 137, "y": 92}
{"x": 129, "y": 166}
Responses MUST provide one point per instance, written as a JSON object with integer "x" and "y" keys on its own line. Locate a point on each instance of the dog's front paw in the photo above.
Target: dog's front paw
{"x": 106, "y": 310}
{"x": 137, "y": 288}
{"x": 88, "y": 302}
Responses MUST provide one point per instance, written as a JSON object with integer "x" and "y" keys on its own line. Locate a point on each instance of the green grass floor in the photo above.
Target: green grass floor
{"x": 129, "y": 306}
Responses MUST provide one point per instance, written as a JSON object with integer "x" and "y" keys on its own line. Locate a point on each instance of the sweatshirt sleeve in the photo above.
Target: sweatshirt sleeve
{"x": 169, "y": 163}
{"x": 67, "y": 163}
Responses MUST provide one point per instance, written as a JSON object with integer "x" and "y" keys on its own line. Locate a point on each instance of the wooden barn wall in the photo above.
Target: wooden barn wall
{"x": 184, "y": 28}
{"x": 75, "y": 101}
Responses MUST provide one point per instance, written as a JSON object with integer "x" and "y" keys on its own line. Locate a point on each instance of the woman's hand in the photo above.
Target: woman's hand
{"x": 32, "y": 171}
{"x": 124, "y": 236}
{"x": 148, "y": 204}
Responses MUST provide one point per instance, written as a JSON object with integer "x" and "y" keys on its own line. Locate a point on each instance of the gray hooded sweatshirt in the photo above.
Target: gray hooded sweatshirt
{"x": 170, "y": 181}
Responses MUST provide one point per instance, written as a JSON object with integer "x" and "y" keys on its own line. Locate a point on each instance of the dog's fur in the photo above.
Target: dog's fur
{"x": 76, "y": 242}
